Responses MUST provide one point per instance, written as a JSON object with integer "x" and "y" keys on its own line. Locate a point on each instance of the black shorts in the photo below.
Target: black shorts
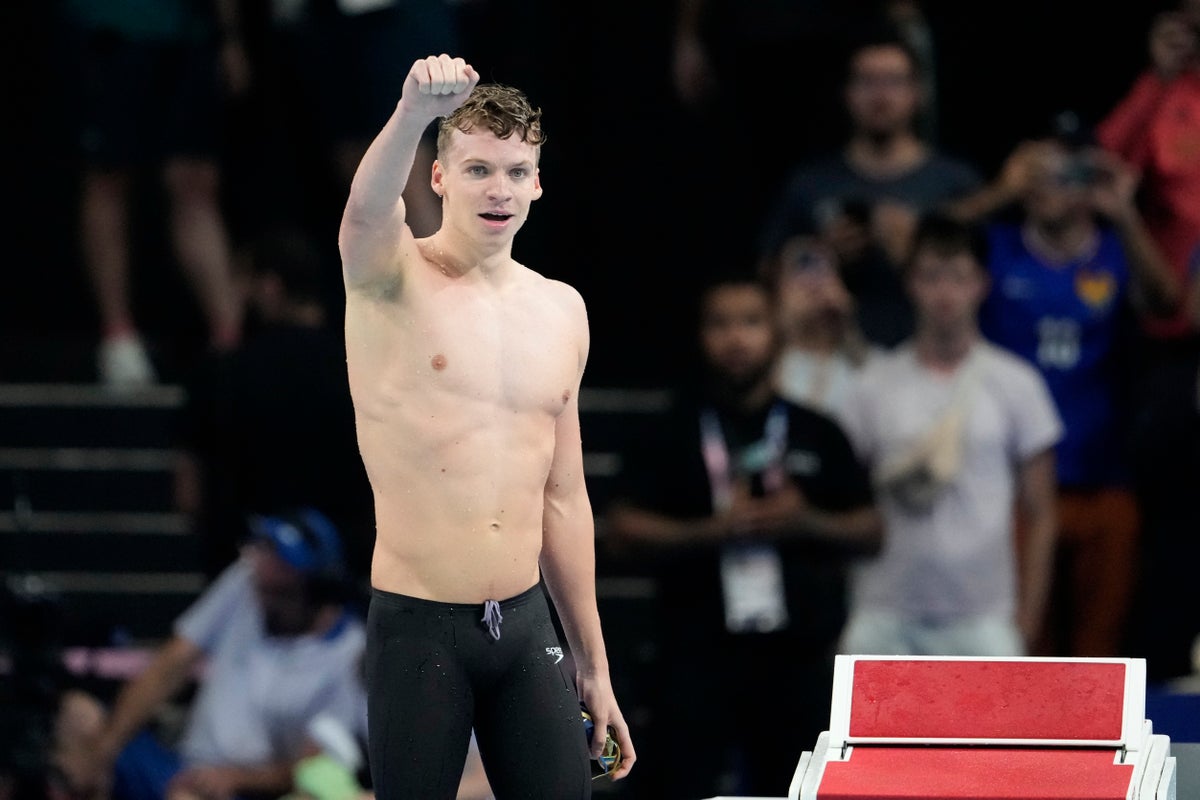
{"x": 146, "y": 101}
{"x": 435, "y": 671}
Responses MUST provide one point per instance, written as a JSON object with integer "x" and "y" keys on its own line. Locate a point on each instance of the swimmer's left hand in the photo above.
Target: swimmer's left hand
{"x": 595, "y": 690}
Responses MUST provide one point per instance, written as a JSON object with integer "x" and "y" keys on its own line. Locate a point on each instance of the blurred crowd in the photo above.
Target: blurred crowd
{"x": 938, "y": 406}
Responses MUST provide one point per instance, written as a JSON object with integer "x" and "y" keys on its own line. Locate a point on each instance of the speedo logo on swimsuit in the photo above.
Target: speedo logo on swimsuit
{"x": 556, "y": 652}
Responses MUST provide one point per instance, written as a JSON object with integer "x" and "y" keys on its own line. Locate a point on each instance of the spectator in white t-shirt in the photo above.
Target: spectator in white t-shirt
{"x": 959, "y": 436}
{"x": 279, "y": 646}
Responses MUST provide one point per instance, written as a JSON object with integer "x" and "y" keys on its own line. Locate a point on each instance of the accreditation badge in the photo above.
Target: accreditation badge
{"x": 752, "y": 588}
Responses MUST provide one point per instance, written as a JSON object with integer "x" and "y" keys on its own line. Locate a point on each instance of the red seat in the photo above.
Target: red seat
{"x": 958, "y": 700}
{"x": 976, "y": 773}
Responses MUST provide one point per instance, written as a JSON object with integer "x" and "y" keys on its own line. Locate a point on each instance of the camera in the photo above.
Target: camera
{"x": 1081, "y": 170}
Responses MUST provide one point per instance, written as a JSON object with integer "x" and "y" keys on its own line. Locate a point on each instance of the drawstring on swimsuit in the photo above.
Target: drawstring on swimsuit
{"x": 493, "y": 618}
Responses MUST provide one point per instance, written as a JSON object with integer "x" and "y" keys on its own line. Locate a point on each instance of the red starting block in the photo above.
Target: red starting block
{"x": 903, "y": 728}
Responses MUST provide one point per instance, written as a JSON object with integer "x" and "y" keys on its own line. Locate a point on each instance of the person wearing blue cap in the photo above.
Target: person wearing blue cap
{"x": 279, "y": 646}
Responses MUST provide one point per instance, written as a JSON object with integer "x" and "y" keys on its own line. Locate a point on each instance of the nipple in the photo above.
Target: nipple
{"x": 438, "y": 362}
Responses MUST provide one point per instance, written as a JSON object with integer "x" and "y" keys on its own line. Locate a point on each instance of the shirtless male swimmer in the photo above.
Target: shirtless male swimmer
{"x": 465, "y": 369}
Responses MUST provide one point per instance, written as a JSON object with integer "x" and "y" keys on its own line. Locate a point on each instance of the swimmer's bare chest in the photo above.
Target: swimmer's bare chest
{"x": 457, "y": 389}
{"x": 465, "y": 348}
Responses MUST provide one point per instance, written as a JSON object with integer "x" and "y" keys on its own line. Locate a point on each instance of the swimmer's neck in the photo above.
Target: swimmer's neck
{"x": 458, "y": 259}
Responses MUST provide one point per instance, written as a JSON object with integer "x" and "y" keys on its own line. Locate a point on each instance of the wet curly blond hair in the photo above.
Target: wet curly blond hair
{"x": 501, "y": 109}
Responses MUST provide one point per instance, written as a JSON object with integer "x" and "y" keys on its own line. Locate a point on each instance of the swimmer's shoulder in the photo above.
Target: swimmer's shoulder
{"x": 567, "y": 301}
{"x": 561, "y": 294}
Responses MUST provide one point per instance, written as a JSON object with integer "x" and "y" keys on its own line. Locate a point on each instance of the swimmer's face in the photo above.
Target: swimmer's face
{"x": 488, "y": 184}
{"x": 737, "y": 333}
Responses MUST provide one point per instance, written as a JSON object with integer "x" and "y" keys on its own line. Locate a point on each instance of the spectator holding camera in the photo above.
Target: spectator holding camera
{"x": 823, "y": 348}
{"x": 1067, "y": 270}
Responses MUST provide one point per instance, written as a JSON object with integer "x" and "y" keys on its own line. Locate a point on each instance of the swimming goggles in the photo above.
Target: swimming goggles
{"x": 608, "y": 761}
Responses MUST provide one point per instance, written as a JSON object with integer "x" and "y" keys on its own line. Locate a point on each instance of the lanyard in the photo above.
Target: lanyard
{"x": 715, "y": 451}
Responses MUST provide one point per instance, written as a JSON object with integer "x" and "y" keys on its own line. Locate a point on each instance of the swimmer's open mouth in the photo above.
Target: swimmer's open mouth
{"x": 496, "y": 217}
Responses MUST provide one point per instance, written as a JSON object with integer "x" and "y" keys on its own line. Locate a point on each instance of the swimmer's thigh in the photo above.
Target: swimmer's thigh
{"x": 528, "y": 723}
{"x": 419, "y": 703}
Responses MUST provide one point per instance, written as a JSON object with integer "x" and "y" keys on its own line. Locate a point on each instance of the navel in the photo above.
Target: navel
{"x": 438, "y": 362}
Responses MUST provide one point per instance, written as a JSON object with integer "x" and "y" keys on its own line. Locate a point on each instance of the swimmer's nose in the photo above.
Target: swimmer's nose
{"x": 500, "y": 188}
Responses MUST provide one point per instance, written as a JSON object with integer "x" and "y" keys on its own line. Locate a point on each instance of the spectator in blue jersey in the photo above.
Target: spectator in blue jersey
{"x": 1070, "y": 269}
{"x": 866, "y": 197}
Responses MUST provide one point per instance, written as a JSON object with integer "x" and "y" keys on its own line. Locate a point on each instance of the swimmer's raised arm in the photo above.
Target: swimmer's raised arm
{"x": 373, "y": 223}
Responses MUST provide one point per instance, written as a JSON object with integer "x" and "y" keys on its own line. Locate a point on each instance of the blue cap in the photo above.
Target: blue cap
{"x": 305, "y": 539}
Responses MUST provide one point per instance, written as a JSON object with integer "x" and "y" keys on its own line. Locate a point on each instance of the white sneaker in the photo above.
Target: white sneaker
{"x": 124, "y": 363}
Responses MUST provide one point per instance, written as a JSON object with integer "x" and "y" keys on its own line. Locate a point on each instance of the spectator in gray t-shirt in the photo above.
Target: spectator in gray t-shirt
{"x": 866, "y": 198}
{"x": 279, "y": 646}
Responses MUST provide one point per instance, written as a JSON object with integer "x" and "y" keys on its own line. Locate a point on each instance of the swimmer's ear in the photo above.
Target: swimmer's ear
{"x": 437, "y": 179}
